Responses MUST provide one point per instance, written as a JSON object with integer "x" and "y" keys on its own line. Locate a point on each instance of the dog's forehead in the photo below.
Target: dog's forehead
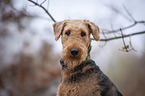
{"x": 76, "y": 24}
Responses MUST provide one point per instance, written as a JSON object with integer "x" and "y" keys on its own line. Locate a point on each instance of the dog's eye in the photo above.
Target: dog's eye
{"x": 83, "y": 34}
{"x": 67, "y": 33}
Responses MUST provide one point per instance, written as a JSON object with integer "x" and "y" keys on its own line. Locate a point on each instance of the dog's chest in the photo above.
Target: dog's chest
{"x": 86, "y": 87}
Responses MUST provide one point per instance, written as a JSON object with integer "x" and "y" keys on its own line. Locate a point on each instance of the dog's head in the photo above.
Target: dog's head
{"x": 75, "y": 35}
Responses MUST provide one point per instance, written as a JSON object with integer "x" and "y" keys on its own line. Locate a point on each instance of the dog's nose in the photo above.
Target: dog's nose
{"x": 74, "y": 51}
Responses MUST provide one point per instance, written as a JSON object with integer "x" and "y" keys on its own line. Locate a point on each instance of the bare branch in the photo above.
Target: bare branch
{"x": 105, "y": 41}
{"x": 119, "y": 37}
{"x": 40, "y": 5}
{"x": 127, "y": 27}
{"x": 113, "y": 8}
{"x": 124, "y": 28}
{"x": 131, "y": 45}
{"x": 123, "y": 40}
{"x": 129, "y": 13}
{"x": 43, "y": 2}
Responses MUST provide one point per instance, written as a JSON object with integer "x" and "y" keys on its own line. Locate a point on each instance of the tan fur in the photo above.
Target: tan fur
{"x": 84, "y": 88}
{"x": 75, "y": 40}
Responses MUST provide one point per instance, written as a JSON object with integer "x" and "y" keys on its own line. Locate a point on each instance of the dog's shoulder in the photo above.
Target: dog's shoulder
{"x": 106, "y": 85}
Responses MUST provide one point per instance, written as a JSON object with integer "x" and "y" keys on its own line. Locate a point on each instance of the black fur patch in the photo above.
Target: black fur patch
{"x": 78, "y": 70}
{"x": 83, "y": 64}
{"x": 107, "y": 86}
{"x": 64, "y": 66}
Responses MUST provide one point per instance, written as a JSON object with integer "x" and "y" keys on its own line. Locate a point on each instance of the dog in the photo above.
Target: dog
{"x": 80, "y": 75}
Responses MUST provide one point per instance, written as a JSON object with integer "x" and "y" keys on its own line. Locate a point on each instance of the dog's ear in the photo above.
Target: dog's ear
{"x": 94, "y": 30}
{"x": 58, "y": 28}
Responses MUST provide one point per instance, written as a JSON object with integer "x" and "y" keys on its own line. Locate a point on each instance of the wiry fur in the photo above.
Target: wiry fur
{"x": 80, "y": 77}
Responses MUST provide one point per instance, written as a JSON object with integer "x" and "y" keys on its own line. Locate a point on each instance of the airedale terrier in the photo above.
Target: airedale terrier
{"x": 80, "y": 75}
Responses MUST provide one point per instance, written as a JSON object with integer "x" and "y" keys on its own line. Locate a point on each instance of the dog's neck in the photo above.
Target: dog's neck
{"x": 75, "y": 74}
{"x": 66, "y": 69}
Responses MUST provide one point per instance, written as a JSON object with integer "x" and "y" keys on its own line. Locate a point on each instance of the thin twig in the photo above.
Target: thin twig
{"x": 131, "y": 45}
{"x": 123, "y": 40}
{"x": 129, "y": 13}
{"x": 43, "y": 2}
{"x": 40, "y": 5}
{"x": 113, "y": 29}
{"x": 119, "y": 37}
{"x": 116, "y": 10}
{"x": 48, "y": 4}
{"x": 105, "y": 41}
{"x": 127, "y": 27}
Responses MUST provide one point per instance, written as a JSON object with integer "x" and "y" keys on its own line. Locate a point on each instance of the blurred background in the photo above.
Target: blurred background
{"x": 29, "y": 54}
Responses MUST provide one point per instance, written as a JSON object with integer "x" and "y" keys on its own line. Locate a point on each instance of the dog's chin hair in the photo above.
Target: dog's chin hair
{"x": 71, "y": 63}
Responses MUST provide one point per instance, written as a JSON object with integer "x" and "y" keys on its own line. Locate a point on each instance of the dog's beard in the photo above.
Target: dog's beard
{"x": 71, "y": 60}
